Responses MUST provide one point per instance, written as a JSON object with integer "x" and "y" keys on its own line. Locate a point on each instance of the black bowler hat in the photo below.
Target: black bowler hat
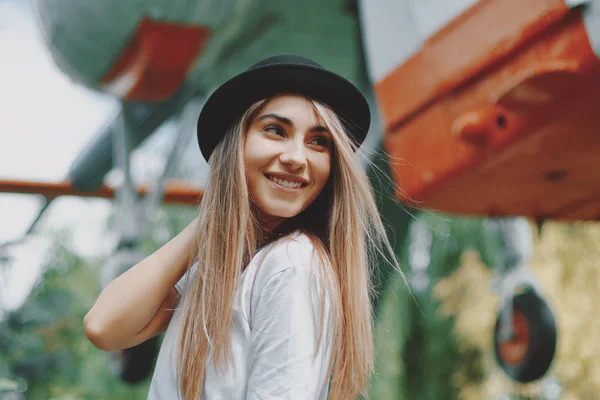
{"x": 281, "y": 74}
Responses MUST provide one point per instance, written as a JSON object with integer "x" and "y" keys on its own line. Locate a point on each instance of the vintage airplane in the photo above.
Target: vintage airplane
{"x": 487, "y": 108}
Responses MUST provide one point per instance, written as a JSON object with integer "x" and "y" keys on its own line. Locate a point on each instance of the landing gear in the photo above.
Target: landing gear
{"x": 135, "y": 364}
{"x": 527, "y": 355}
{"x": 525, "y": 335}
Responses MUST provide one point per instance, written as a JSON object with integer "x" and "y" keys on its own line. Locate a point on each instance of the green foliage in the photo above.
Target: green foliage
{"x": 417, "y": 351}
{"x": 396, "y": 218}
{"x": 391, "y": 336}
{"x": 42, "y": 344}
{"x": 43, "y": 341}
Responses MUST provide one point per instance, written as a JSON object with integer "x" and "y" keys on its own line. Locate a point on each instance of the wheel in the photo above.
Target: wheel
{"x": 527, "y": 356}
{"x": 133, "y": 365}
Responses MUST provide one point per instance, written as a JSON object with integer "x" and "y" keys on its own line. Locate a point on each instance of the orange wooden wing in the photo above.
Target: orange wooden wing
{"x": 497, "y": 114}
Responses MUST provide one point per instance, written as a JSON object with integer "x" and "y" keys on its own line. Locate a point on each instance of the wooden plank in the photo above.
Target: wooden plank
{"x": 553, "y": 173}
{"x": 175, "y": 193}
{"x": 476, "y": 40}
{"x": 543, "y": 158}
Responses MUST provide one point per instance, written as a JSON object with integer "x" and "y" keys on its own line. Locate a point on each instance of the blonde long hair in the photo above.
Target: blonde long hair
{"x": 349, "y": 239}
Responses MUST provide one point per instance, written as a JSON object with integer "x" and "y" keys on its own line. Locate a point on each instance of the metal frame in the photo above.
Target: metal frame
{"x": 512, "y": 272}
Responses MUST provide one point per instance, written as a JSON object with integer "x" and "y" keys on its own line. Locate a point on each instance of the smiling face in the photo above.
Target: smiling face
{"x": 287, "y": 158}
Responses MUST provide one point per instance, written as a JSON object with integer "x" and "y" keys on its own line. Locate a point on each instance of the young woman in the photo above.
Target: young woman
{"x": 276, "y": 303}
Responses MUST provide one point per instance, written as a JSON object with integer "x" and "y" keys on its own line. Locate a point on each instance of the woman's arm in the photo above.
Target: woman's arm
{"x": 139, "y": 303}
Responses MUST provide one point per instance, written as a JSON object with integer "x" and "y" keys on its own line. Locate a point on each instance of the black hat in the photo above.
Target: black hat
{"x": 281, "y": 74}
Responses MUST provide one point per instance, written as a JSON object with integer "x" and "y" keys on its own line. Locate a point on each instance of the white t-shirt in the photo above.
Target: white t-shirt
{"x": 274, "y": 334}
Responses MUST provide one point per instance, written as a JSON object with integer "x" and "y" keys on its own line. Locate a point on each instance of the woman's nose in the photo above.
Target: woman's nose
{"x": 293, "y": 155}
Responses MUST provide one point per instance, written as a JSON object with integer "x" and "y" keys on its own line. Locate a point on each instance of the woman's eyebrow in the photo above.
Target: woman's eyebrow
{"x": 281, "y": 119}
{"x": 288, "y": 122}
{"x": 319, "y": 129}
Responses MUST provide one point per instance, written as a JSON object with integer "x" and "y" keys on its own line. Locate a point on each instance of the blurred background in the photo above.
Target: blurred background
{"x": 483, "y": 154}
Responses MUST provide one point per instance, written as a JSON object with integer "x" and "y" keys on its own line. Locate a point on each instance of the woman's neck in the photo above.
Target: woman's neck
{"x": 267, "y": 225}
{"x": 267, "y": 232}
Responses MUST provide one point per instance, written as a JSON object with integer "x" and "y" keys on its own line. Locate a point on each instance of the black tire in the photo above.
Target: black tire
{"x": 539, "y": 351}
{"x": 135, "y": 364}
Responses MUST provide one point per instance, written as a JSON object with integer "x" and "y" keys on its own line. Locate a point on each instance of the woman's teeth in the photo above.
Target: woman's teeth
{"x": 288, "y": 184}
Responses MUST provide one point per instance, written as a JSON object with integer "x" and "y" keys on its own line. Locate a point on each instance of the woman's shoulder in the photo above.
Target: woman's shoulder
{"x": 297, "y": 248}
{"x": 295, "y": 251}
{"x": 292, "y": 267}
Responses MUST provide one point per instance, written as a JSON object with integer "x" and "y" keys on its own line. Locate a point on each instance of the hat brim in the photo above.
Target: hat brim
{"x": 232, "y": 99}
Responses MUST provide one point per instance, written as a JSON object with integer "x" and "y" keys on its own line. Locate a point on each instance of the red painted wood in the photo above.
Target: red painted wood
{"x": 512, "y": 130}
{"x": 158, "y": 58}
{"x": 175, "y": 193}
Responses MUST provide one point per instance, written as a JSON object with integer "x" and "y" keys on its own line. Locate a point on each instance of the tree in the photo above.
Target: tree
{"x": 43, "y": 343}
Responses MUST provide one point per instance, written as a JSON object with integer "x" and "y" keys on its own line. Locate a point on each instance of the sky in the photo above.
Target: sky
{"x": 46, "y": 119}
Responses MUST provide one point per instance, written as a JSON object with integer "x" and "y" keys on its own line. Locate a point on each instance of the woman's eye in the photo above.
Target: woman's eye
{"x": 277, "y": 130}
{"x": 321, "y": 141}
